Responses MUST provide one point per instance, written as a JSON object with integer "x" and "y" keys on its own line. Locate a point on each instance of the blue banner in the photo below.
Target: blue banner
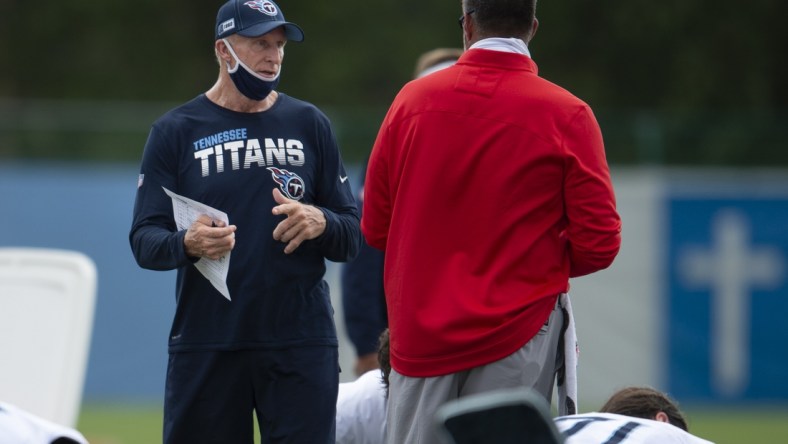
{"x": 728, "y": 298}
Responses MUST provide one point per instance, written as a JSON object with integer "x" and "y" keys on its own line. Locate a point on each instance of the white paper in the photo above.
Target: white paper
{"x": 186, "y": 211}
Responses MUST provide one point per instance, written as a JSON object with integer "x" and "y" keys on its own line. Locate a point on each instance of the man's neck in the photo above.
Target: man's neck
{"x": 226, "y": 95}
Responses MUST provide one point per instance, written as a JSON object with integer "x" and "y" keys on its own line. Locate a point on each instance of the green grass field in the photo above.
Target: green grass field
{"x": 140, "y": 424}
{"x": 755, "y": 426}
{"x": 122, "y": 424}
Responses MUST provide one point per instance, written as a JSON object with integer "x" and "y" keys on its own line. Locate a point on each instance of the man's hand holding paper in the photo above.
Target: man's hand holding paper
{"x": 209, "y": 238}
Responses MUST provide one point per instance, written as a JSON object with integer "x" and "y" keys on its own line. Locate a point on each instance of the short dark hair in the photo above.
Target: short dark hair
{"x": 502, "y": 18}
{"x": 645, "y": 402}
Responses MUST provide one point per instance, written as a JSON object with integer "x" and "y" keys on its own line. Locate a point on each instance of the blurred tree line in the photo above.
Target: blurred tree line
{"x": 672, "y": 83}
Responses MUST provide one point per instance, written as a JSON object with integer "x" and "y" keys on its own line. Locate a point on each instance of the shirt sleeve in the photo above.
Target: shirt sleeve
{"x": 593, "y": 233}
{"x": 341, "y": 239}
{"x": 154, "y": 238}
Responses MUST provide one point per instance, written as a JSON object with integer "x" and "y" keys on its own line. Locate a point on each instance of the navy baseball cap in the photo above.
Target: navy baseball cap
{"x": 253, "y": 18}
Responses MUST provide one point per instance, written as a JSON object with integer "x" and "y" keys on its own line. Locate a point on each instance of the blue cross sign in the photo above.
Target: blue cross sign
{"x": 727, "y": 301}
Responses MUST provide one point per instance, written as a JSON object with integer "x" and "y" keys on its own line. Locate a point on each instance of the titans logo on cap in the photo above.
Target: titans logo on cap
{"x": 289, "y": 183}
{"x": 264, "y": 6}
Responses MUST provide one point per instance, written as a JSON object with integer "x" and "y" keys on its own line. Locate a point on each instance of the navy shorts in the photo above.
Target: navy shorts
{"x": 210, "y": 396}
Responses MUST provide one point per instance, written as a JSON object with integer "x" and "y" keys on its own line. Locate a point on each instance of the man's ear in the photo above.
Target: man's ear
{"x": 662, "y": 417}
{"x": 534, "y": 27}
{"x": 468, "y": 29}
{"x": 222, "y": 52}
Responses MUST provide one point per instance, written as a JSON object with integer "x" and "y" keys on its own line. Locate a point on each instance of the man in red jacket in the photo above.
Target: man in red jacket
{"x": 487, "y": 188}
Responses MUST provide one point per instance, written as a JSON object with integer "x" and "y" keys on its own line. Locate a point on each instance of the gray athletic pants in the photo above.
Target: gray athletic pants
{"x": 412, "y": 402}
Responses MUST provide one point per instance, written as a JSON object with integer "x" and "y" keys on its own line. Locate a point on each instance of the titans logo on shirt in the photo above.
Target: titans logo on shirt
{"x": 291, "y": 185}
{"x": 216, "y": 151}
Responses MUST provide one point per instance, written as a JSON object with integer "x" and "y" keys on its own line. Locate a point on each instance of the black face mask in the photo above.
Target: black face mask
{"x": 249, "y": 83}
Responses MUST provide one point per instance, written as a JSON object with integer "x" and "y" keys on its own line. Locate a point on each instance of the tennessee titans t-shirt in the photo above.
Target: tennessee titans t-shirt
{"x": 233, "y": 161}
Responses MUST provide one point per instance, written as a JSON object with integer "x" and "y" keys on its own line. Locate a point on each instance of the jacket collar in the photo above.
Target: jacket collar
{"x": 498, "y": 59}
{"x": 505, "y": 44}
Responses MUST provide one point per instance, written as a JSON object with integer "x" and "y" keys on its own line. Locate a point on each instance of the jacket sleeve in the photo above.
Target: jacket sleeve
{"x": 593, "y": 232}
{"x": 155, "y": 241}
{"x": 377, "y": 204}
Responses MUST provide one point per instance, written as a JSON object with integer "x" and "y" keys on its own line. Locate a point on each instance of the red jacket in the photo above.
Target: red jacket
{"x": 488, "y": 189}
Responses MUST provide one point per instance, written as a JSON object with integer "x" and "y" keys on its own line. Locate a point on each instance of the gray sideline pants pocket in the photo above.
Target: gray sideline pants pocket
{"x": 413, "y": 402}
